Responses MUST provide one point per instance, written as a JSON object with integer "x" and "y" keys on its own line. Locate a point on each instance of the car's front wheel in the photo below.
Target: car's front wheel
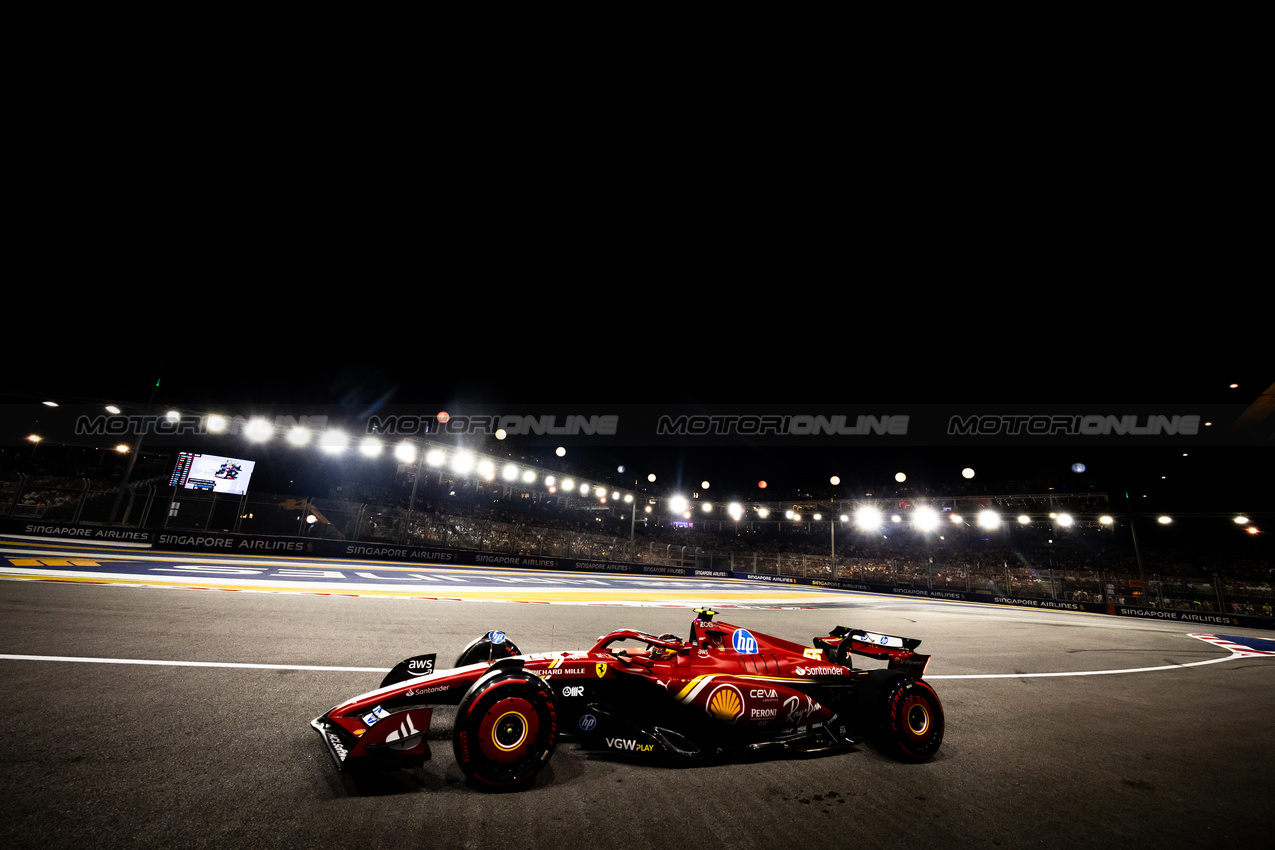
{"x": 506, "y": 729}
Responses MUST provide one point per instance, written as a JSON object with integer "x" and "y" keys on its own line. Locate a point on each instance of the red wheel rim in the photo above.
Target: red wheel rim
{"x": 507, "y": 730}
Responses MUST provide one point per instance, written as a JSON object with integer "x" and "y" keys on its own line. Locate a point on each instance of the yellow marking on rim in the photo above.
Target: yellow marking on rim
{"x": 495, "y": 729}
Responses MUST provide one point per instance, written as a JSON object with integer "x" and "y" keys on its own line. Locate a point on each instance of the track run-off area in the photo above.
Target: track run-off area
{"x": 158, "y": 699}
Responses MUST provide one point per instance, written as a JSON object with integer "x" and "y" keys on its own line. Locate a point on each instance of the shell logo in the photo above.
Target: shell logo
{"x": 726, "y": 704}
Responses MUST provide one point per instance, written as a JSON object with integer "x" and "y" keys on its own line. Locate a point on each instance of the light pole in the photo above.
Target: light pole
{"x": 832, "y": 522}
{"x": 1137, "y": 553}
{"x": 633, "y": 513}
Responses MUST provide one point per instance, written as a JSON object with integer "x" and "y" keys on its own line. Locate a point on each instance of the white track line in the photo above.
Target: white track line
{"x": 193, "y": 663}
{"x": 1230, "y": 657}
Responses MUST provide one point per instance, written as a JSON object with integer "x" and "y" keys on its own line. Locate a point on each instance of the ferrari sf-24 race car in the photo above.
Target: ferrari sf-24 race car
{"x": 724, "y": 692}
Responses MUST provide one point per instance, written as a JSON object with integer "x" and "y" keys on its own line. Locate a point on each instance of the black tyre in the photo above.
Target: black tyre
{"x": 506, "y": 729}
{"x": 490, "y": 647}
{"x": 912, "y": 729}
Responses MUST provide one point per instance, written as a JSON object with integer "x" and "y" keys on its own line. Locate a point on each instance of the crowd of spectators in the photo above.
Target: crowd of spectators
{"x": 1088, "y": 564}
{"x": 1091, "y": 564}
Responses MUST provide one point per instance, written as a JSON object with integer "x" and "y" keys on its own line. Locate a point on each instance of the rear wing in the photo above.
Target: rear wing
{"x": 900, "y": 652}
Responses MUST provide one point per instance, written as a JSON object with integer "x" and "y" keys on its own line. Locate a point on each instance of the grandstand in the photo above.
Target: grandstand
{"x": 1076, "y": 544}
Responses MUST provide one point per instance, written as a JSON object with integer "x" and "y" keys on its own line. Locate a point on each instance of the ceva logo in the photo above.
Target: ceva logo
{"x": 744, "y": 642}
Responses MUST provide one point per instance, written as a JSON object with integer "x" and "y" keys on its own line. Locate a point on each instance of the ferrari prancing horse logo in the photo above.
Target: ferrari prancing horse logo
{"x": 601, "y": 667}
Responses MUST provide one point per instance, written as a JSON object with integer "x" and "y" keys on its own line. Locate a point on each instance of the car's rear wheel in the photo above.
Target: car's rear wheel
{"x": 913, "y": 721}
{"x": 506, "y": 729}
{"x": 903, "y": 715}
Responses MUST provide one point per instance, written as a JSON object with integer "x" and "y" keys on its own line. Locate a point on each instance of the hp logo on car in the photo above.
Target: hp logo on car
{"x": 587, "y": 722}
{"x": 744, "y": 642}
{"x": 497, "y": 637}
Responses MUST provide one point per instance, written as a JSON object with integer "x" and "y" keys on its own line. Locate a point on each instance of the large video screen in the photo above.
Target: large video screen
{"x": 212, "y": 472}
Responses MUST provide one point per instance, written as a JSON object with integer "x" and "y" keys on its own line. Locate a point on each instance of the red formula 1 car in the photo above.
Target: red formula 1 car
{"x": 723, "y": 692}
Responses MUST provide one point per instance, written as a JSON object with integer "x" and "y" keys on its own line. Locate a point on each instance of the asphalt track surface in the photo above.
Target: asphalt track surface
{"x": 153, "y": 708}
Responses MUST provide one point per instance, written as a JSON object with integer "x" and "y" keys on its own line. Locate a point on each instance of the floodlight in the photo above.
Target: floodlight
{"x": 258, "y": 430}
{"x": 462, "y": 462}
{"x": 925, "y": 519}
{"x": 867, "y": 518}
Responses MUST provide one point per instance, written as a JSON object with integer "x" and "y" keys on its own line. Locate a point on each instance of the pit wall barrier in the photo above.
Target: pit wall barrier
{"x": 241, "y": 544}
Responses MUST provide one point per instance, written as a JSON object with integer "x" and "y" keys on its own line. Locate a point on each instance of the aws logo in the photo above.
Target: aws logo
{"x": 726, "y": 703}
